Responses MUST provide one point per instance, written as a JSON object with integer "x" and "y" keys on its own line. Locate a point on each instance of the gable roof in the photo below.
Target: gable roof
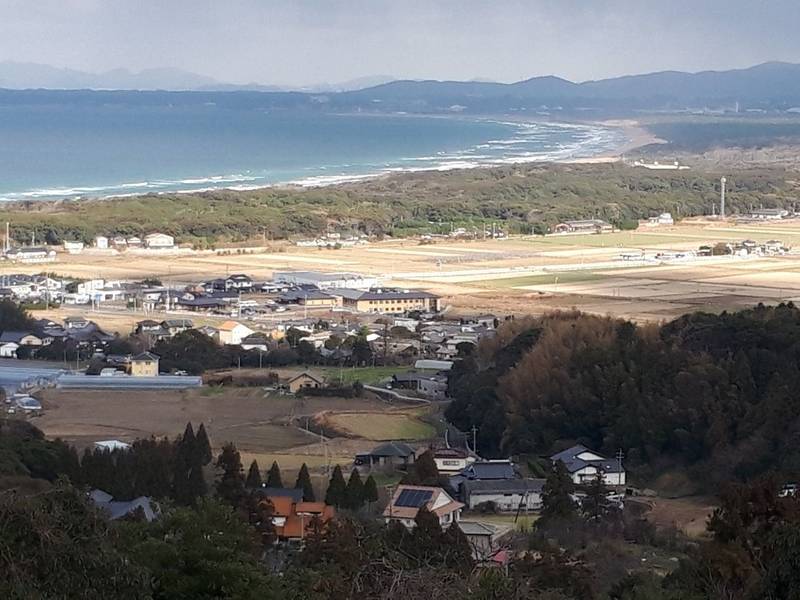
{"x": 502, "y": 486}
{"x": 14, "y": 336}
{"x": 397, "y": 449}
{"x": 177, "y": 323}
{"x": 435, "y": 496}
{"x": 501, "y": 469}
{"x": 573, "y": 464}
{"x": 295, "y": 494}
{"x": 145, "y": 357}
{"x": 304, "y": 375}
{"x": 229, "y": 326}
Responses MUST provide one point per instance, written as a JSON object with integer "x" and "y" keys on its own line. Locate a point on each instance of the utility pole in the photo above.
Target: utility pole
{"x": 620, "y": 456}
{"x": 474, "y": 439}
{"x": 722, "y": 183}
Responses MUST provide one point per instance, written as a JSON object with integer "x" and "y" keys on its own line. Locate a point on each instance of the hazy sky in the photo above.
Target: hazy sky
{"x": 311, "y": 41}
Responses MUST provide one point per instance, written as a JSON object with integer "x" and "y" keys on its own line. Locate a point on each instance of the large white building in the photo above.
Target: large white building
{"x": 158, "y": 241}
{"x": 327, "y": 280}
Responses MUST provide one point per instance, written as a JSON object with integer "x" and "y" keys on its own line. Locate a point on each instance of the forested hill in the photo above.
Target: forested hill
{"x": 708, "y": 394}
{"x": 525, "y": 198}
{"x": 772, "y": 85}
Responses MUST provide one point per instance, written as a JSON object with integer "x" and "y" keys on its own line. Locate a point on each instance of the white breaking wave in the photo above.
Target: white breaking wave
{"x": 526, "y": 142}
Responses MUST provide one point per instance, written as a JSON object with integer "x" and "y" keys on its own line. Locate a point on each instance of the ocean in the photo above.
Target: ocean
{"x": 67, "y": 151}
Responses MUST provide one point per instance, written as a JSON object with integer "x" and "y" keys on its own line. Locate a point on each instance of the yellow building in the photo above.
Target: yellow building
{"x": 303, "y": 380}
{"x": 388, "y": 301}
{"x": 144, "y": 365}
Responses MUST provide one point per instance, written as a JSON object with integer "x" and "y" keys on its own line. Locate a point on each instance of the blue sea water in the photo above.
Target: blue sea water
{"x": 56, "y": 151}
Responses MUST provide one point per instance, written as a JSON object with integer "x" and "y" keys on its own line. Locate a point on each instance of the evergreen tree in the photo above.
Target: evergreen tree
{"x": 337, "y": 488}
{"x": 72, "y": 465}
{"x": 188, "y": 444}
{"x": 181, "y": 491}
{"x": 122, "y": 483}
{"x": 457, "y": 550}
{"x": 230, "y": 487}
{"x": 304, "y": 482}
{"x": 427, "y": 536}
{"x": 196, "y": 485}
{"x": 557, "y": 504}
{"x": 274, "y": 476}
{"x": 370, "y": 490}
{"x": 203, "y": 445}
{"x": 354, "y": 492}
{"x": 423, "y": 471}
{"x": 595, "y": 505}
{"x": 253, "y": 480}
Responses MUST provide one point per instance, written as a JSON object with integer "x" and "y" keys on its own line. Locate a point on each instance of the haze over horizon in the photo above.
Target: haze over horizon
{"x": 308, "y": 42}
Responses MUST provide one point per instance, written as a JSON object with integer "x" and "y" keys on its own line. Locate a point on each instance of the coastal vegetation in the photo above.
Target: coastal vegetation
{"x": 526, "y": 198}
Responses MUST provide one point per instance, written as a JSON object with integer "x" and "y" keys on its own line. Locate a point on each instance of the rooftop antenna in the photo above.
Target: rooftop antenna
{"x": 722, "y": 182}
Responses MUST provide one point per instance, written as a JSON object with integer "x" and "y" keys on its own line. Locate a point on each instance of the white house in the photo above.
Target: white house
{"x": 73, "y": 247}
{"x": 507, "y": 495}
{"x": 662, "y": 219}
{"x": 452, "y": 460}
{"x": 585, "y": 465}
{"x": 232, "y": 332}
{"x": 101, "y": 242}
{"x": 408, "y": 499}
{"x": 158, "y": 241}
{"x": 8, "y": 349}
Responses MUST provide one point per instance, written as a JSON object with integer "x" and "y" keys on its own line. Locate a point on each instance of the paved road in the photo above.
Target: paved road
{"x": 393, "y": 394}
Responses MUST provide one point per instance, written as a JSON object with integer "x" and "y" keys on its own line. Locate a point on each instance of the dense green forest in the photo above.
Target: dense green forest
{"x": 522, "y": 198}
{"x": 708, "y": 395}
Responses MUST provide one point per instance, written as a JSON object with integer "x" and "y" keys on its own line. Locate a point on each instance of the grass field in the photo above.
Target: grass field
{"x": 548, "y": 279}
{"x": 368, "y": 375}
{"x": 382, "y": 426}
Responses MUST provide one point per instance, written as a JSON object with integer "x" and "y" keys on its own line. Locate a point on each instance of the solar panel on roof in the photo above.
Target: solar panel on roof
{"x": 413, "y": 498}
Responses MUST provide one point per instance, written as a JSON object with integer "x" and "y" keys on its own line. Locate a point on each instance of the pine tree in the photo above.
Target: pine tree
{"x": 427, "y": 536}
{"x": 230, "y": 487}
{"x": 196, "y": 485}
{"x": 457, "y": 552}
{"x": 188, "y": 444}
{"x": 337, "y": 487}
{"x": 121, "y": 485}
{"x": 304, "y": 482}
{"x": 595, "y": 505}
{"x": 354, "y": 492}
{"x": 370, "y": 490}
{"x": 181, "y": 491}
{"x": 274, "y": 476}
{"x": 557, "y": 504}
{"x": 72, "y": 465}
{"x": 203, "y": 445}
{"x": 423, "y": 471}
{"x": 253, "y": 480}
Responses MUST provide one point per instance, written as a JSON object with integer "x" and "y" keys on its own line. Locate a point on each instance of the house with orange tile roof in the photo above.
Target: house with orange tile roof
{"x": 407, "y": 500}
{"x": 232, "y": 332}
{"x": 294, "y": 519}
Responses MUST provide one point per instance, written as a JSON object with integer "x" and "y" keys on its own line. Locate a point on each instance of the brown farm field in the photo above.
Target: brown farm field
{"x": 263, "y": 426}
{"x": 520, "y": 275}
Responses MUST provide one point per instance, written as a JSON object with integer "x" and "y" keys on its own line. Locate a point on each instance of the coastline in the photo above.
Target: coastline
{"x": 636, "y": 134}
{"x": 628, "y": 135}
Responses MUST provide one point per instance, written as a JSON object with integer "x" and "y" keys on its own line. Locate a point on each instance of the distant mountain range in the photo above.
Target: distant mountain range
{"x": 767, "y": 86}
{"x": 27, "y": 76}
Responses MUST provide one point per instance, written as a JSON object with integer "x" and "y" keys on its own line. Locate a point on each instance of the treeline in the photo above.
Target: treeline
{"x": 524, "y": 198}
{"x": 713, "y": 395}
